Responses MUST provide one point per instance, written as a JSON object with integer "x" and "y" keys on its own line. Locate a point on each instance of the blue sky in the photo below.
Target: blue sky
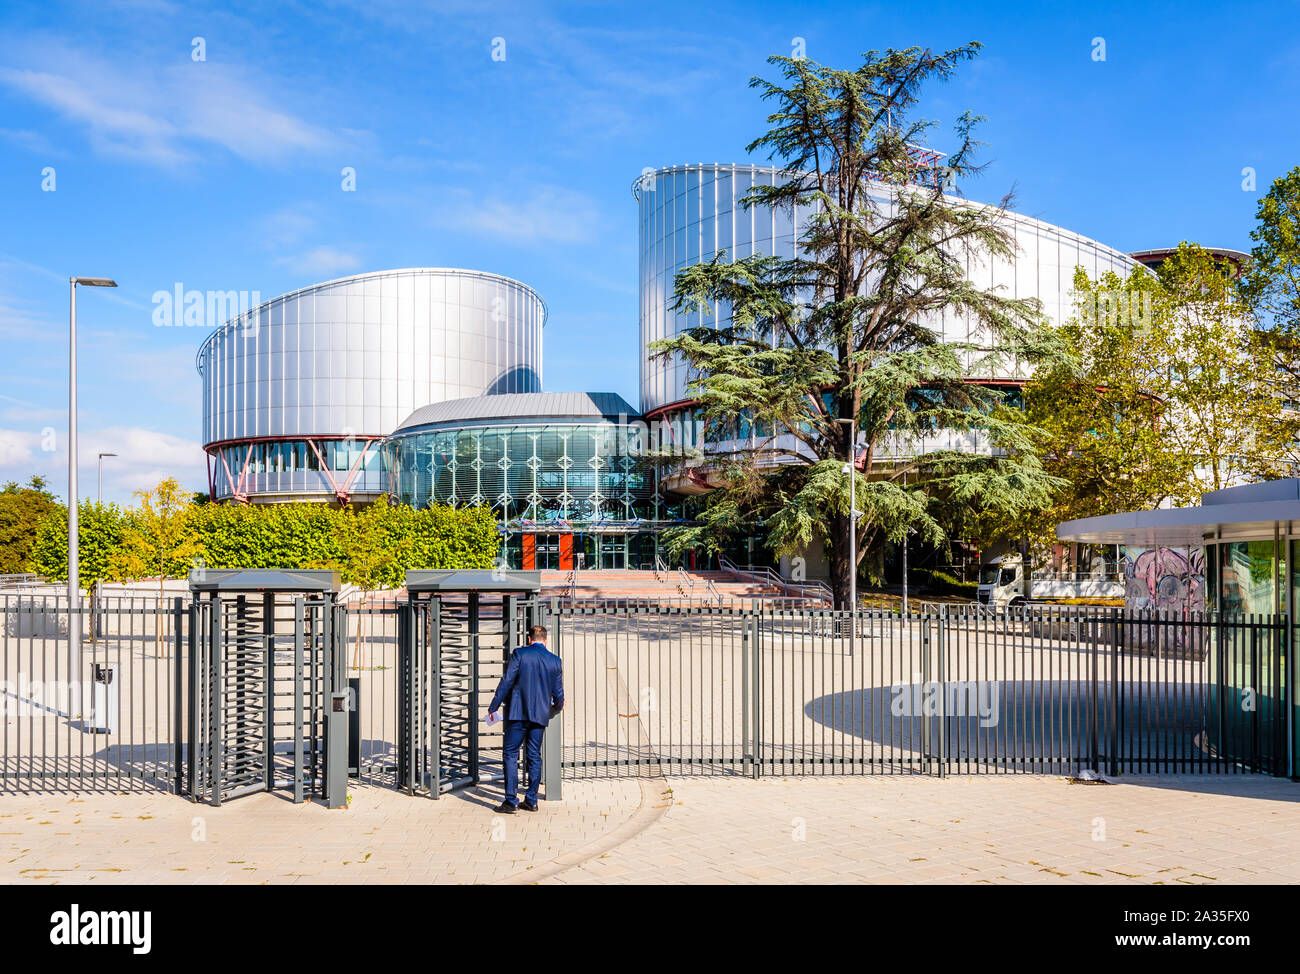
{"x": 225, "y": 173}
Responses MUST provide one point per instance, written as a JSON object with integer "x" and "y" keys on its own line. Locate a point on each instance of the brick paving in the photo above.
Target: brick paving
{"x": 383, "y": 837}
{"x": 903, "y": 829}
{"x": 987, "y": 829}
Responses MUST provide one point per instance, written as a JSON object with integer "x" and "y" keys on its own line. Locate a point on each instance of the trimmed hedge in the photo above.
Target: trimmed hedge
{"x": 372, "y": 546}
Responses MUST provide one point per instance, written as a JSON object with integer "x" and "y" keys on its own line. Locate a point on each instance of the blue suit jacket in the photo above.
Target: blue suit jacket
{"x": 533, "y": 685}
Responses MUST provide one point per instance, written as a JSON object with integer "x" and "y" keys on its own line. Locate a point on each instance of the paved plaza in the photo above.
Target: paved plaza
{"x": 887, "y": 829}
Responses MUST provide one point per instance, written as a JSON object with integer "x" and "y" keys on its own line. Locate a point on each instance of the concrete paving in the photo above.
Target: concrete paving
{"x": 979, "y": 829}
{"x": 887, "y": 829}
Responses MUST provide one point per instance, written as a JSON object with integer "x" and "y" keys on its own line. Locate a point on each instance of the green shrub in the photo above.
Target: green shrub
{"x": 371, "y": 546}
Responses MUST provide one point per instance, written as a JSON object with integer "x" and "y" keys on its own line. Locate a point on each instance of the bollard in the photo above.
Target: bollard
{"x": 336, "y": 751}
{"x": 105, "y": 700}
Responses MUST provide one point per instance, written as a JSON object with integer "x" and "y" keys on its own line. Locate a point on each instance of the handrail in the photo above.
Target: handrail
{"x": 713, "y": 591}
{"x": 685, "y": 583}
{"x": 767, "y": 576}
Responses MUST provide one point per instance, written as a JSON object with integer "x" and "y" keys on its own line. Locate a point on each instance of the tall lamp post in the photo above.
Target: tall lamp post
{"x": 99, "y": 477}
{"x": 850, "y": 468}
{"x": 74, "y": 580}
{"x": 906, "y": 538}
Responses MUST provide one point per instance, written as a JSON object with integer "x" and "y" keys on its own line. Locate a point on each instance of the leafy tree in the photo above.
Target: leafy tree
{"x": 158, "y": 538}
{"x": 22, "y": 509}
{"x": 1224, "y": 409}
{"x": 100, "y": 529}
{"x": 1102, "y": 416}
{"x": 1162, "y": 403}
{"x": 1271, "y": 283}
{"x": 1271, "y": 287}
{"x": 849, "y": 328}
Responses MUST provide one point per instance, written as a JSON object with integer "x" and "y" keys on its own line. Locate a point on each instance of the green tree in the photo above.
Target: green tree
{"x": 22, "y": 509}
{"x": 1171, "y": 394}
{"x": 100, "y": 529}
{"x": 1271, "y": 282}
{"x": 1102, "y": 415}
{"x": 159, "y": 539}
{"x": 849, "y": 328}
{"x": 1224, "y": 407}
{"x": 1271, "y": 286}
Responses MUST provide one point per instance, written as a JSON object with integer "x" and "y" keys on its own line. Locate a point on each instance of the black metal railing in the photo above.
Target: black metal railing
{"x": 695, "y": 689}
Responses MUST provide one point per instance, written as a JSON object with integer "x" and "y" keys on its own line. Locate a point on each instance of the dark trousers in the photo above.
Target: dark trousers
{"x": 528, "y": 735}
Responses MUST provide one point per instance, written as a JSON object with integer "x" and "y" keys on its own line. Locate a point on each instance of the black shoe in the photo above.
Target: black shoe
{"x": 505, "y": 808}
{"x": 529, "y": 806}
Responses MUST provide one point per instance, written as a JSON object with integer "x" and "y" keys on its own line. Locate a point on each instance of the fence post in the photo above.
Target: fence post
{"x": 746, "y": 752}
{"x": 553, "y": 736}
{"x": 178, "y": 691}
{"x": 942, "y": 745}
{"x": 756, "y": 691}
{"x": 1113, "y": 770}
{"x": 426, "y": 656}
{"x": 1095, "y": 759}
{"x": 923, "y": 719}
{"x": 299, "y": 647}
{"x": 1288, "y": 696}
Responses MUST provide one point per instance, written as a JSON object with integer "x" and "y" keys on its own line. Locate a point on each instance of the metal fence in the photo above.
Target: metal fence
{"x": 691, "y": 691}
{"x": 104, "y": 716}
{"x": 704, "y": 690}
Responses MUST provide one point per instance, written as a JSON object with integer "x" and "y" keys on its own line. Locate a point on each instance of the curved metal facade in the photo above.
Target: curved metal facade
{"x": 299, "y": 392}
{"x": 689, "y": 213}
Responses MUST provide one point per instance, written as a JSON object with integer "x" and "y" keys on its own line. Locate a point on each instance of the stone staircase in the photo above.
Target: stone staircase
{"x": 650, "y": 587}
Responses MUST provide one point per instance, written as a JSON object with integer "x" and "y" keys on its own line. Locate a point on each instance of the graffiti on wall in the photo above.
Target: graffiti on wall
{"x": 1164, "y": 578}
{"x": 1167, "y": 580}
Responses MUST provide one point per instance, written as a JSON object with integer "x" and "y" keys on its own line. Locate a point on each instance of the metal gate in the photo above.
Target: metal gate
{"x": 266, "y": 690}
{"x": 454, "y": 645}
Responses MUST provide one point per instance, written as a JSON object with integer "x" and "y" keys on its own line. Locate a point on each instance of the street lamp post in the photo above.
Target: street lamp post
{"x": 850, "y": 468}
{"x": 905, "y": 540}
{"x": 74, "y": 580}
{"x": 99, "y": 477}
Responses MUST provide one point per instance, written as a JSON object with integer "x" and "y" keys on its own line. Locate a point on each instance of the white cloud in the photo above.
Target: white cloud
{"x": 20, "y": 320}
{"x": 287, "y": 226}
{"x": 17, "y": 449}
{"x": 544, "y": 213}
{"x": 320, "y": 261}
{"x": 33, "y": 142}
{"x": 163, "y": 115}
{"x": 144, "y": 457}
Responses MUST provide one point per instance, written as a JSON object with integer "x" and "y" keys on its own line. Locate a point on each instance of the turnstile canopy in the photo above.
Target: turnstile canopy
{"x": 472, "y": 580}
{"x": 264, "y": 580}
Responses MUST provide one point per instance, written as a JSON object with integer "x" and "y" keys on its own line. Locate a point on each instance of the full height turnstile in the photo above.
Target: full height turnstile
{"x": 456, "y": 633}
{"x": 267, "y": 693}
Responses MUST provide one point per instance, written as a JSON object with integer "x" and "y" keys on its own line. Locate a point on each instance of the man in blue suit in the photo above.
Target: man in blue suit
{"x": 533, "y": 691}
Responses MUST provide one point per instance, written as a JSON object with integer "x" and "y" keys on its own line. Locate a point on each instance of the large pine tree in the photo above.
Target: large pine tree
{"x": 850, "y": 327}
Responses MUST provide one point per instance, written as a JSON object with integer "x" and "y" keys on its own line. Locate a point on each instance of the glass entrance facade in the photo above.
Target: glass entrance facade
{"x": 556, "y": 469}
{"x": 1245, "y": 579}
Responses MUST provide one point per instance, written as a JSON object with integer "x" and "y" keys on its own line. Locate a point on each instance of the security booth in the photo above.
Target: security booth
{"x": 267, "y": 694}
{"x": 1234, "y": 561}
{"x": 456, "y": 633}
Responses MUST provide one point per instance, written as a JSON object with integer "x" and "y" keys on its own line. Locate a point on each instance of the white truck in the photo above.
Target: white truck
{"x": 1002, "y": 583}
